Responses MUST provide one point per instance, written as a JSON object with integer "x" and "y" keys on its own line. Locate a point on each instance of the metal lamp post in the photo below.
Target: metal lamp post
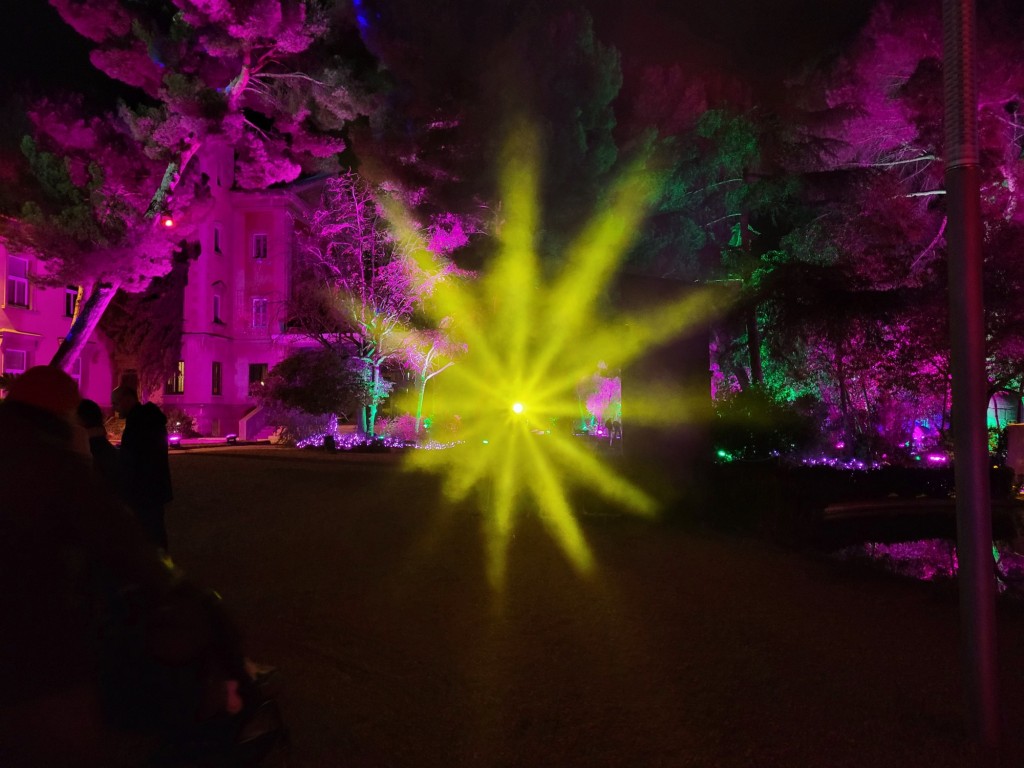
{"x": 967, "y": 334}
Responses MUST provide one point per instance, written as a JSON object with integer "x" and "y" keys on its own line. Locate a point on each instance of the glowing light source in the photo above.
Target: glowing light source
{"x": 533, "y": 341}
{"x": 167, "y": 222}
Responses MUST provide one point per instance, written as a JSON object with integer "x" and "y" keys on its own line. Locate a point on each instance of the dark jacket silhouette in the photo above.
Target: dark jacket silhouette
{"x": 60, "y": 533}
{"x": 105, "y": 459}
{"x": 107, "y": 653}
{"x": 106, "y": 462}
{"x": 145, "y": 470}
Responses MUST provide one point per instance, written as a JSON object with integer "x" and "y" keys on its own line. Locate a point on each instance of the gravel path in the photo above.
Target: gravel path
{"x": 682, "y": 649}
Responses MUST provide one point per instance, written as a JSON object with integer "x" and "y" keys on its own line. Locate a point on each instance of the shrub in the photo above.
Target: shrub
{"x": 312, "y": 381}
{"x": 400, "y": 428}
{"x": 297, "y": 425}
{"x": 180, "y": 422}
{"x": 753, "y": 424}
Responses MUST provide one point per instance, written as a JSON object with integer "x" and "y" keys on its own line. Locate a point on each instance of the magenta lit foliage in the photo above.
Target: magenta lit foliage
{"x": 891, "y": 78}
{"x": 936, "y": 559}
{"x": 605, "y": 403}
{"x": 350, "y": 247}
{"x": 447, "y": 233}
{"x": 600, "y": 396}
{"x": 401, "y": 428}
{"x": 362, "y": 285}
{"x": 211, "y": 65}
{"x": 97, "y": 227}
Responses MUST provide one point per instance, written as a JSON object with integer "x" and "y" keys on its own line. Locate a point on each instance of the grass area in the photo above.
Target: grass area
{"x": 683, "y": 649}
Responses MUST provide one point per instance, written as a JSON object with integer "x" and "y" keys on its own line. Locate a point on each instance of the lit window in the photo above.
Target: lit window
{"x": 15, "y": 361}
{"x": 70, "y": 299}
{"x": 176, "y": 384}
{"x": 257, "y": 374}
{"x": 259, "y": 313}
{"x": 17, "y": 281}
{"x": 259, "y": 247}
{"x": 216, "y": 378}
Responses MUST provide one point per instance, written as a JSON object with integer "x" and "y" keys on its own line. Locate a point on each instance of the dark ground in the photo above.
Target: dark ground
{"x": 684, "y": 649}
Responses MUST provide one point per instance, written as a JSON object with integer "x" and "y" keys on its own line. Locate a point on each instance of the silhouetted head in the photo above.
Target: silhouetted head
{"x": 90, "y": 415}
{"x": 124, "y": 399}
{"x": 47, "y": 388}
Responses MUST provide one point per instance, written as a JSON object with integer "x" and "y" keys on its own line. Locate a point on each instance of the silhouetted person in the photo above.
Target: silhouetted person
{"x": 104, "y": 455}
{"x": 60, "y": 533}
{"x": 106, "y": 653}
{"x": 144, "y": 466}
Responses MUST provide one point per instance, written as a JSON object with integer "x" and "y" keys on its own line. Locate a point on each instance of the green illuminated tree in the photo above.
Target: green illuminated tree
{"x": 429, "y": 353}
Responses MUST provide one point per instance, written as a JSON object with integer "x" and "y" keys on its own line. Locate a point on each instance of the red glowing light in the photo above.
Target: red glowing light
{"x": 168, "y": 222}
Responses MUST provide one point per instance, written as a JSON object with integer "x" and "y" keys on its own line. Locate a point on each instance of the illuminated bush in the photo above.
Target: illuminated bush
{"x": 400, "y": 428}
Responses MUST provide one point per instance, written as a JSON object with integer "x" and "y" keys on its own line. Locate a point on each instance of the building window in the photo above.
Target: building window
{"x": 259, "y": 313}
{"x": 70, "y": 299}
{"x": 15, "y": 361}
{"x": 216, "y": 233}
{"x": 17, "y": 281}
{"x": 259, "y": 247}
{"x": 257, "y": 377}
{"x": 257, "y": 373}
{"x": 176, "y": 384}
{"x": 216, "y": 308}
{"x": 216, "y": 378}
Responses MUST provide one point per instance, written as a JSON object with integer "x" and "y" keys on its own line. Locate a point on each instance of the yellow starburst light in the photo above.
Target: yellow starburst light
{"x": 529, "y": 345}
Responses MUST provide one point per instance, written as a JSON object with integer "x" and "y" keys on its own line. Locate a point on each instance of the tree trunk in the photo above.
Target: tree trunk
{"x": 754, "y": 347}
{"x": 89, "y": 314}
{"x": 419, "y": 402}
{"x": 753, "y": 332}
{"x": 371, "y": 418}
{"x": 844, "y": 394}
{"x": 946, "y": 416}
{"x": 85, "y": 323}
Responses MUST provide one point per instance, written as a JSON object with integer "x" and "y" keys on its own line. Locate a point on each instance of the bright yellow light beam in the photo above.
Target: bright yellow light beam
{"x": 530, "y": 345}
{"x": 558, "y": 517}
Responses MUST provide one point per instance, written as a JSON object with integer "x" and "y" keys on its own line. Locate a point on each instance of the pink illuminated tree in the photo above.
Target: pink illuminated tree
{"x": 359, "y": 286}
{"x": 89, "y": 188}
{"x": 859, "y": 282}
{"x": 258, "y": 75}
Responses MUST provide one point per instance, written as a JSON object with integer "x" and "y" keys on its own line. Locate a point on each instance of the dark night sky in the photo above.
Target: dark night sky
{"x": 759, "y": 39}
{"x": 38, "y": 48}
